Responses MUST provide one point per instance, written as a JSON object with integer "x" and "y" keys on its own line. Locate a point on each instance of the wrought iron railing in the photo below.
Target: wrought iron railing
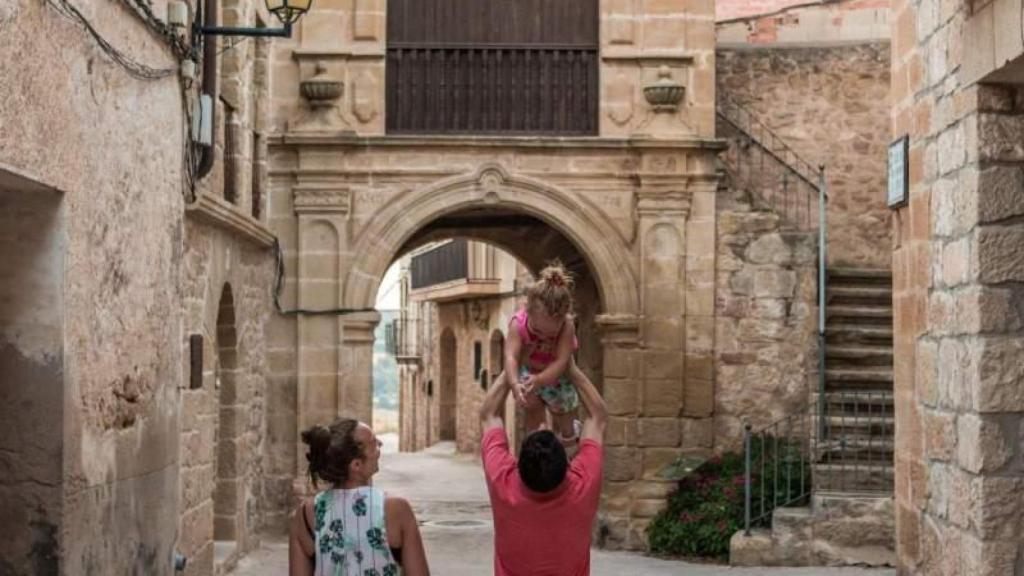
{"x": 845, "y": 447}
{"x": 778, "y": 461}
{"x": 401, "y": 338}
{"x": 763, "y": 163}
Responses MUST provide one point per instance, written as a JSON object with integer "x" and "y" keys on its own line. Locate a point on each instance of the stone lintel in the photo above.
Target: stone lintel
{"x": 307, "y": 54}
{"x": 322, "y": 199}
{"x": 230, "y": 217}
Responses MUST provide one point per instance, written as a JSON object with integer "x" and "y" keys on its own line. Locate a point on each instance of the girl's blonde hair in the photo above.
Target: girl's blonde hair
{"x": 552, "y": 290}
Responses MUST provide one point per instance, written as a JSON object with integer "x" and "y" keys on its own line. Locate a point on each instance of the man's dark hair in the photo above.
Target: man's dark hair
{"x": 542, "y": 461}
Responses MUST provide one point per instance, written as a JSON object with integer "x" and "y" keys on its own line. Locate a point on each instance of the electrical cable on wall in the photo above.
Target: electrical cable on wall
{"x": 133, "y": 67}
{"x": 279, "y": 286}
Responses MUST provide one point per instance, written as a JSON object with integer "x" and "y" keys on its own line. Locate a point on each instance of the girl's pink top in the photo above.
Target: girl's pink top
{"x": 539, "y": 351}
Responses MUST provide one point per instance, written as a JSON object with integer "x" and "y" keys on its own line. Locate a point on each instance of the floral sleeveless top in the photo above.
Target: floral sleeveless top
{"x": 351, "y": 538}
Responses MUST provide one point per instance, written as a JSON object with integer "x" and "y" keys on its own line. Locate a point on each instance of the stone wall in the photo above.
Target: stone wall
{"x": 223, "y": 449}
{"x": 959, "y": 288}
{"x": 112, "y": 145}
{"x": 766, "y": 317}
{"x": 830, "y": 104}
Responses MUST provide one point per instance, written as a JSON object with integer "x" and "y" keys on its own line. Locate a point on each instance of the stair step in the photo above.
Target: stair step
{"x": 867, "y": 477}
{"x": 858, "y": 311}
{"x": 858, "y": 374}
{"x": 845, "y": 273}
{"x": 855, "y": 332}
{"x": 860, "y": 294}
{"x": 858, "y": 355}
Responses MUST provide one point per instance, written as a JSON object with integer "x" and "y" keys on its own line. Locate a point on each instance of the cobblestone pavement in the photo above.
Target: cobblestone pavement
{"x": 450, "y": 499}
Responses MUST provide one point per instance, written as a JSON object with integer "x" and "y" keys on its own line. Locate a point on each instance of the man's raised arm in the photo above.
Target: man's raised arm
{"x": 597, "y": 410}
{"x": 494, "y": 405}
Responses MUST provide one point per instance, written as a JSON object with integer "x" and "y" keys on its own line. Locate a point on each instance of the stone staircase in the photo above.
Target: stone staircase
{"x": 855, "y": 454}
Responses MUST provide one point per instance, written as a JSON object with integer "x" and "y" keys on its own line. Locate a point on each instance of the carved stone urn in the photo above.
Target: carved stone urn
{"x": 665, "y": 94}
{"x": 323, "y": 93}
{"x": 321, "y": 89}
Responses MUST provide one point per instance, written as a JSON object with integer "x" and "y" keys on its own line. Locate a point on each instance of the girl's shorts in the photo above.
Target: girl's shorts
{"x": 560, "y": 397}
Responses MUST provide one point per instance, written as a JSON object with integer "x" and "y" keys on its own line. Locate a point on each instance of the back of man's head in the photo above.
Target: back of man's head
{"x": 542, "y": 461}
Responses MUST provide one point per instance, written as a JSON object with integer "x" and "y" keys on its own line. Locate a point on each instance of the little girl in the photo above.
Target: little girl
{"x": 541, "y": 341}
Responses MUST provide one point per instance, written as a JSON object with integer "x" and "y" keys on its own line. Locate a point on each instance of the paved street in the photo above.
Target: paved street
{"x": 450, "y": 498}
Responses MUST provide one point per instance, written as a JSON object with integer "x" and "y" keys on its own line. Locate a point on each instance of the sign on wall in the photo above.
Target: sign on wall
{"x": 899, "y": 172}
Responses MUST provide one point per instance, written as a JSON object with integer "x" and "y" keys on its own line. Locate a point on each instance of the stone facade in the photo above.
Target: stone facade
{"x": 958, "y": 280}
{"x": 632, "y": 209}
{"x": 830, "y": 104}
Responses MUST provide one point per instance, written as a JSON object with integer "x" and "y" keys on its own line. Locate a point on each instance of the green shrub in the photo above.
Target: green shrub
{"x": 707, "y": 507}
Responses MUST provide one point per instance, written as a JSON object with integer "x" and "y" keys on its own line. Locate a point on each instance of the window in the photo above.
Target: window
{"x": 479, "y": 67}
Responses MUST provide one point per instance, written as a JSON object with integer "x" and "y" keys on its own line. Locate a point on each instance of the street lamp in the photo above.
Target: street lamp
{"x": 287, "y": 11}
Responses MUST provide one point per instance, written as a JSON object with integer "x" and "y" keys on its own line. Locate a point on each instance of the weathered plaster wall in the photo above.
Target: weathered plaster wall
{"x": 766, "y": 314}
{"x": 112, "y": 145}
{"x": 31, "y": 376}
{"x": 831, "y": 106}
{"x": 799, "y": 23}
{"x": 959, "y": 288}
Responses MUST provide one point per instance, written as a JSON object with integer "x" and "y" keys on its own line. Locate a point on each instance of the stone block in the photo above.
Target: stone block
{"x": 989, "y": 557}
{"x": 663, "y": 364}
{"x": 754, "y": 550}
{"x": 998, "y": 256}
{"x": 620, "y": 396}
{"x": 982, "y": 445}
{"x": 996, "y": 381}
{"x": 996, "y": 507}
{"x": 646, "y": 508}
{"x": 1001, "y": 138}
{"x": 771, "y": 283}
{"x": 939, "y": 434}
{"x": 700, "y": 335}
{"x": 699, "y": 367}
{"x": 655, "y": 459}
{"x": 653, "y": 489}
{"x": 698, "y": 398}
{"x": 620, "y": 432}
{"x": 621, "y": 464}
{"x": 697, "y": 433}
{"x": 658, "y": 432}
{"x": 663, "y": 397}
{"x": 621, "y": 363}
{"x": 769, "y": 249}
{"x": 999, "y": 190}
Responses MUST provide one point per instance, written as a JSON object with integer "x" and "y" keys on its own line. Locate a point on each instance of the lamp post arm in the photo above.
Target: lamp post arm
{"x": 285, "y": 32}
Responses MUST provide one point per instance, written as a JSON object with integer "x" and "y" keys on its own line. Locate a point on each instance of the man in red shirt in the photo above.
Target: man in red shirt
{"x": 543, "y": 505}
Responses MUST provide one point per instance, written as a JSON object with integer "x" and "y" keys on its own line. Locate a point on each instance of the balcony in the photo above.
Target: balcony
{"x": 402, "y": 340}
{"x": 444, "y": 273}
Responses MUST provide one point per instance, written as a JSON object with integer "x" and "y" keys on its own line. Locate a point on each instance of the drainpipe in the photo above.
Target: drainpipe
{"x": 209, "y": 18}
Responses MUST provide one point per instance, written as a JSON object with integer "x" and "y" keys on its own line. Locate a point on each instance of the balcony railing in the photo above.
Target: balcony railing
{"x": 446, "y": 263}
{"x": 401, "y": 338}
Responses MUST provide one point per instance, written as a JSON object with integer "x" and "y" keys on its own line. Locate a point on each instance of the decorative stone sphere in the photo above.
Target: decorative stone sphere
{"x": 321, "y": 89}
{"x": 665, "y": 94}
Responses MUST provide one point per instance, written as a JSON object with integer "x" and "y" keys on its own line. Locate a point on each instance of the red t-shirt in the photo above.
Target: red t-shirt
{"x": 541, "y": 534}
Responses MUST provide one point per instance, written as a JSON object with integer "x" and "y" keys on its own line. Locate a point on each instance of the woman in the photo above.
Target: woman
{"x": 352, "y": 528}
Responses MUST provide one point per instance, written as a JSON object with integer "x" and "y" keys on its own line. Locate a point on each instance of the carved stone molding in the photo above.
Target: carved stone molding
{"x": 622, "y": 330}
{"x": 220, "y": 212}
{"x": 320, "y": 199}
{"x": 663, "y": 201}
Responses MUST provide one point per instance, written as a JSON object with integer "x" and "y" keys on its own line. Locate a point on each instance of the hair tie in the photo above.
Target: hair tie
{"x": 556, "y": 280}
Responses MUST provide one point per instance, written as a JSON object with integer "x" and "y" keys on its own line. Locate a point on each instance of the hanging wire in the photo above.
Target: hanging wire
{"x": 133, "y": 67}
{"x": 279, "y": 286}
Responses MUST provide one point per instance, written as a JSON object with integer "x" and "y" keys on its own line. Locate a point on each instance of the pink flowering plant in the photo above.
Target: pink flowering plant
{"x": 707, "y": 507}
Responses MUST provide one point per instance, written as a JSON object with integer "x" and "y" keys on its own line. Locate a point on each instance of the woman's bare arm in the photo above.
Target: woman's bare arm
{"x": 301, "y": 548}
{"x": 414, "y": 557}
